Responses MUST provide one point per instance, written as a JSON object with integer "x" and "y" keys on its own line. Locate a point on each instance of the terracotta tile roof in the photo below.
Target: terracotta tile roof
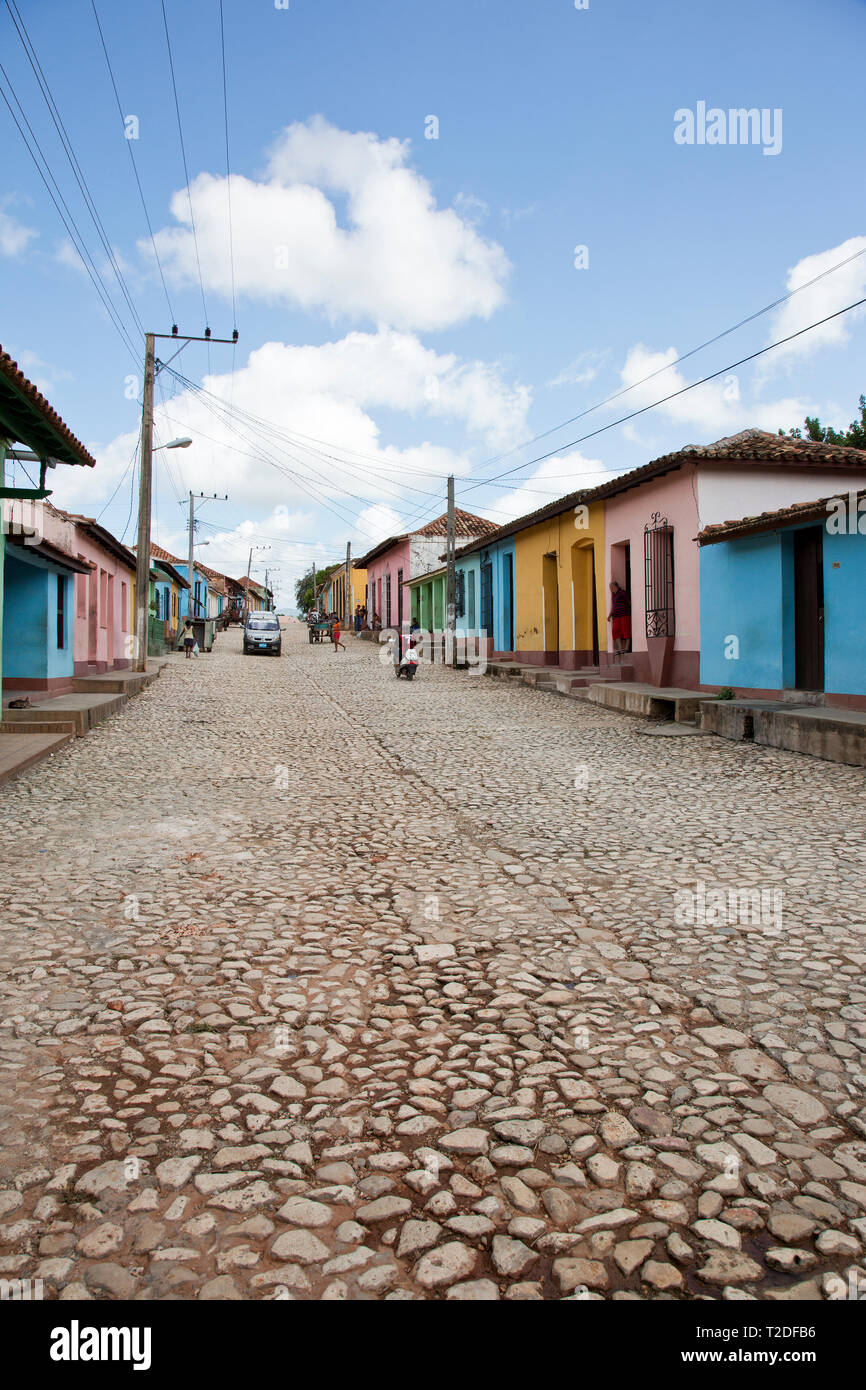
{"x": 216, "y": 581}
{"x": 769, "y": 521}
{"x": 16, "y": 387}
{"x": 751, "y": 446}
{"x": 466, "y": 525}
{"x": 157, "y": 552}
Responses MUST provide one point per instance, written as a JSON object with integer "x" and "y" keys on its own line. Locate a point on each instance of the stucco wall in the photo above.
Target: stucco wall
{"x": 560, "y": 535}
{"x": 392, "y": 560}
{"x": 30, "y": 651}
{"x": 747, "y": 593}
{"x": 727, "y": 494}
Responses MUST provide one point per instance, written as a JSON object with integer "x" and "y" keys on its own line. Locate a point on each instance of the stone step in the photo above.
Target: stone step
{"x": 84, "y": 711}
{"x": 36, "y": 726}
{"x": 648, "y": 701}
{"x": 21, "y": 750}
{"x": 123, "y": 682}
{"x": 819, "y": 731}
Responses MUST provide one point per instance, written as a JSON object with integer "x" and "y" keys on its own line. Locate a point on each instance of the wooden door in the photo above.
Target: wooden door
{"x": 550, "y": 587}
{"x": 508, "y": 604}
{"x": 809, "y": 608}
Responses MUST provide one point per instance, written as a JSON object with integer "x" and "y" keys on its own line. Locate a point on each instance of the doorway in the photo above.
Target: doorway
{"x": 584, "y": 599}
{"x": 507, "y": 603}
{"x": 550, "y": 591}
{"x": 809, "y": 608}
{"x": 486, "y": 576}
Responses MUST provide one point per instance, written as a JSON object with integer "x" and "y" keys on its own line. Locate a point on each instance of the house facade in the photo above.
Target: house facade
{"x": 779, "y": 610}
{"x": 168, "y": 588}
{"x": 391, "y": 565}
{"x": 193, "y": 601}
{"x": 70, "y": 602}
{"x": 639, "y": 529}
{"x": 36, "y": 577}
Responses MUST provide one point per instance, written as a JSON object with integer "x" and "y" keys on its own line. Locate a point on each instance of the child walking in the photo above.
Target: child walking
{"x": 335, "y": 636}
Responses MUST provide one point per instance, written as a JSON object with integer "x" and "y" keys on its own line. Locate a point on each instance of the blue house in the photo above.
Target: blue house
{"x": 36, "y": 576}
{"x": 38, "y": 631}
{"x": 783, "y": 602}
{"x": 486, "y": 592}
{"x": 192, "y": 604}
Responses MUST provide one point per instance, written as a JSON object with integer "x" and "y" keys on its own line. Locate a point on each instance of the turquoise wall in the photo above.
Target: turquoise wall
{"x": 30, "y": 648}
{"x": 184, "y": 606}
{"x": 500, "y": 555}
{"x": 747, "y": 589}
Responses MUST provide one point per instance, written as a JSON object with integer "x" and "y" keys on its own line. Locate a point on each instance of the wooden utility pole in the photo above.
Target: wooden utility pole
{"x": 191, "y": 557}
{"x": 451, "y": 582}
{"x": 142, "y": 554}
{"x": 347, "y": 601}
{"x": 247, "y": 585}
{"x": 142, "y": 559}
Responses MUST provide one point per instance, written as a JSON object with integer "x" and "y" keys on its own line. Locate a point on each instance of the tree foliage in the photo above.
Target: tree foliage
{"x": 304, "y": 596}
{"x": 853, "y": 438}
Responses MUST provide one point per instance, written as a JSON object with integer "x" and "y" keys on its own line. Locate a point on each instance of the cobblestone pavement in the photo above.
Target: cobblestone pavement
{"x": 321, "y": 985}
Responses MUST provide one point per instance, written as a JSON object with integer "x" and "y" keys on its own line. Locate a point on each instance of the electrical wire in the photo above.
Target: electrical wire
{"x": 78, "y": 173}
{"x": 183, "y": 156}
{"x": 228, "y": 164}
{"x": 132, "y": 158}
{"x": 711, "y": 376}
{"x": 75, "y": 236}
{"x": 131, "y": 464}
{"x": 668, "y": 366}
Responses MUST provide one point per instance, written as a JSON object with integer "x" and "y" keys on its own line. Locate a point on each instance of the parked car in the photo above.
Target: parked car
{"x": 262, "y": 634}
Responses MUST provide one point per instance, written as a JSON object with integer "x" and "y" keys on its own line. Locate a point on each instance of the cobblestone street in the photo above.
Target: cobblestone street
{"x": 322, "y": 985}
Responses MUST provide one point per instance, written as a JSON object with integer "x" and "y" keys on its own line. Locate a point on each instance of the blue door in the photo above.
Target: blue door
{"x": 487, "y": 598}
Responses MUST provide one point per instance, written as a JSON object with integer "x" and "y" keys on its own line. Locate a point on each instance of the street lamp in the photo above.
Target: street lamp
{"x": 182, "y": 443}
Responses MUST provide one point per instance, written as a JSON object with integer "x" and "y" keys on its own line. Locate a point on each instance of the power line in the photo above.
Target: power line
{"x": 183, "y": 155}
{"x": 75, "y": 236}
{"x": 228, "y": 165}
{"x": 131, "y": 464}
{"x": 134, "y": 165}
{"x": 221, "y": 411}
{"x": 758, "y": 313}
{"x": 78, "y": 173}
{"x": 672, "y": 395}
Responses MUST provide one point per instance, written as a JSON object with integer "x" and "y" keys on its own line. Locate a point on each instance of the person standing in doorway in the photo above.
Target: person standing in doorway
{"x": 619, "y": 618}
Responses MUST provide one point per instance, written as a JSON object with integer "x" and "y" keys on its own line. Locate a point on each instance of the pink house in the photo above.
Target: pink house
{"x": 102, "y": 614}
{"x": 652, "y": 517}
{"x": 392, "y": 564}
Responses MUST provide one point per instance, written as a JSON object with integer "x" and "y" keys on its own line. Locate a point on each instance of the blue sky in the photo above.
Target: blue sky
{"x": 412, "y": 304}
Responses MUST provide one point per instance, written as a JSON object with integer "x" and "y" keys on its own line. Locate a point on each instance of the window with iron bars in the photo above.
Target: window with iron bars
{"x": 658, "y": 540}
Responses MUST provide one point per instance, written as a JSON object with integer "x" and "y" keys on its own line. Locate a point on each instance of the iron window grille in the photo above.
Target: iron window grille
{"x": 658, "y": 542}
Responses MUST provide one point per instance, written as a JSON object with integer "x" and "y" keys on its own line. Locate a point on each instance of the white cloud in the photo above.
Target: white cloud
{"x": 716, "y": 409}
{"x": 555, "y": 477}
{"x": 321, "y": 440}
{"x": 378, "y": 523}
{"x": 835, "y": 291}
{"x": 393, "y": 258}
{"x": 14, "y": 236}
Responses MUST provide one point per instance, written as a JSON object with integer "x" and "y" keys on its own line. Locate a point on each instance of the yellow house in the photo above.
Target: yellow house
{"x": 559, "y": 609}
{"x": 343, "y": 600}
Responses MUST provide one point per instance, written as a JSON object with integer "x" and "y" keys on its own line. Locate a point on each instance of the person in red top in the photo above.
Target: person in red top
{"x": 619, "y": 617}
{"x": 335, "y": 635}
